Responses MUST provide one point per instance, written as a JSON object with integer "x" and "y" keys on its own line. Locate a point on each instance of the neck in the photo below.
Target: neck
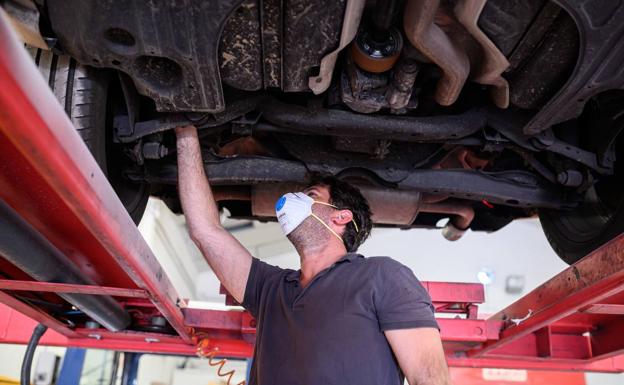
{"x": 318, "y": 258}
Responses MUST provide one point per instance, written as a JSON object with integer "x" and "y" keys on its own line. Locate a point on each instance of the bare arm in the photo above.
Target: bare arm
{"x": 420, "y": 355}
{"x": 229, "y": 260}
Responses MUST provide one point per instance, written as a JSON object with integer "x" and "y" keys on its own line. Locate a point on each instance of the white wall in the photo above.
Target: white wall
{"x": 170, "y": 370}
{"x": 11, "y": 358}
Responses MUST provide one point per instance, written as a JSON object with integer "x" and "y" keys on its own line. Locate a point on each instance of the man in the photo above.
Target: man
{"x": 342, "y": 318}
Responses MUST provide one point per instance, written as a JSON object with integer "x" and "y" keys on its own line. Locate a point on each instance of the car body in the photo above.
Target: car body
{"x": 475, "y": 111}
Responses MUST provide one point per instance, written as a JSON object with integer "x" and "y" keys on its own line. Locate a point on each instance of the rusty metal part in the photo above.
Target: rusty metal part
{"x": 376, "y": 148}
{"x": 24, "y": 18}
{"x": 388, "y": 206}
{"x": 458, "y": 223}
{"x": 231, "y": 193}
{"x": 435, "y": 44}
{"x": 400, "y": 90}
{"x": 353, "y": 14}
{"x": 492, "y": 62}
{"x": 362, "y": 91}
{"x": 370, "y": 63}
{"x": 462, "y": 158}
{"x": 452, "y": 40}
{"x": 243, "y": 146}
{"x": 394, "y": 207}
{"x": 377, "y": 56}
{"x": 452, "y": 233}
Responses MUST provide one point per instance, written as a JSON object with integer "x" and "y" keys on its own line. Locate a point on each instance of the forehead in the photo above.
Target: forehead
{"x": 318, "y": 192}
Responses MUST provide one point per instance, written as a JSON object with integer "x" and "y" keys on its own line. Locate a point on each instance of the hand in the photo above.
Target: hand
{"x": 185, "y": 131}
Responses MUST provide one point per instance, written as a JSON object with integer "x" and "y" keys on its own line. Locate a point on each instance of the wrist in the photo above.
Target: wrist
{"x": 185, "y": 131}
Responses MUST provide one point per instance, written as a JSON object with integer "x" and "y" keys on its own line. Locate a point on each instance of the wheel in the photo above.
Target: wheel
{"x": 83, "y": 92}
{"x": 574, "y": 234}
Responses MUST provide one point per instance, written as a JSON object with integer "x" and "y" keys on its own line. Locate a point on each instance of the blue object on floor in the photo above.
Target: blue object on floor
{"x": 71, "y": 368}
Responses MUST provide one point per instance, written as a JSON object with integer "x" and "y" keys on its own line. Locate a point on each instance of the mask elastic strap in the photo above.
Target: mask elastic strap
{"x": 357, "y": 230}
{"x": 327, "y": 226}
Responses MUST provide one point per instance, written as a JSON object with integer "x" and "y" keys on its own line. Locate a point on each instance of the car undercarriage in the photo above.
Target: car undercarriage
{"x": 478, "y": 111}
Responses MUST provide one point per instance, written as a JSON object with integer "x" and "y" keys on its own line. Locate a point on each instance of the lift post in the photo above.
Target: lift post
{"x": 48, "y": 176}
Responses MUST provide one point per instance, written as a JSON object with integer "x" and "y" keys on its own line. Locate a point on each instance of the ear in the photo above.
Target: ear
{"x": 342, "y": 217}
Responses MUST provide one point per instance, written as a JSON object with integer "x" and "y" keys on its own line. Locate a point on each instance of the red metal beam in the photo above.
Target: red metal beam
{"x": 16, "y": 328}
{"x": 31, "y": 315}
{"x": 591, "y": 280}
{"x": 447, "y": 297}
{"x": 468, "y": 330}
{"x": 608, "y": 340}
{"x": 609, "y": 365}
{"x": 605, "y": 308}
{"x": 8, "y": 284}
{"x": 455, "y": 292}
{"x": 51, "y": 179}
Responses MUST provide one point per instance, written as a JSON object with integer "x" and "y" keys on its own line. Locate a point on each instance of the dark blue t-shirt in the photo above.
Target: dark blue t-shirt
{"x": 331, "y": 331}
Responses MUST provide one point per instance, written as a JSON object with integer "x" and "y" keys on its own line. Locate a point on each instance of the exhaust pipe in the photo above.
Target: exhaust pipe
{"x": 27, "y": 249}
{"x": 458, "y": 224}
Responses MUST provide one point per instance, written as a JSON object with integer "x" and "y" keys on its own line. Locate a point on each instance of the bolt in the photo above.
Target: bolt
{"x": 570, "y": 178}
{"x": 478, "y": 331}
{"x": 154, "y": 150}
{"x": 92, "y": 325}
{"x": 158, "y": 321}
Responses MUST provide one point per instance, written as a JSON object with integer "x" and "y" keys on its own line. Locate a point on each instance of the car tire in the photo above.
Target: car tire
{"x": 83, "y": 93}
{"x": 571, "y": 235}
{"x": 574, "y": 234}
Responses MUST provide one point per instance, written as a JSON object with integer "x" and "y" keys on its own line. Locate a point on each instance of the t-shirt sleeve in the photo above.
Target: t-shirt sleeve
{"x": 262, "y": 279}
{"x": 403, "y": 302}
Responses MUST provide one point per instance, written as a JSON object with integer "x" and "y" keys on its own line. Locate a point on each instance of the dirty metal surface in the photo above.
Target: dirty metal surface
{"x": 169, "y": 49}
{"x": 240, "y": 49}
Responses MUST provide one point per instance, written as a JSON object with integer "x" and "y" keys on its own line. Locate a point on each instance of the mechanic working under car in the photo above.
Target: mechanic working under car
{"x": 340, "y": 319}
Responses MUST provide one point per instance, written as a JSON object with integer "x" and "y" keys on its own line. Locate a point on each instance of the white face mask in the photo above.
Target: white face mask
{"x": 294, "y": 208}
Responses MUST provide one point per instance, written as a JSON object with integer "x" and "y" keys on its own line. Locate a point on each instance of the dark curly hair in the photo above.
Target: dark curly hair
{"x": 346, "y": 196}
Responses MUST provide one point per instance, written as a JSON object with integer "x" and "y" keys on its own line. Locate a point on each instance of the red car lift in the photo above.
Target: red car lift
{"x": 48, "y": 177}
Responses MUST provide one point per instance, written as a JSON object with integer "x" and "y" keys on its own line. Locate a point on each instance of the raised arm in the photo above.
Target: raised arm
{"x": 420, "y": 355}
{"x": 229, "y": 260}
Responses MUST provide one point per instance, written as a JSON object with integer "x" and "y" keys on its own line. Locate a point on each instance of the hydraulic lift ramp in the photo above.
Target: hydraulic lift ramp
{"x": 56, "y": 205}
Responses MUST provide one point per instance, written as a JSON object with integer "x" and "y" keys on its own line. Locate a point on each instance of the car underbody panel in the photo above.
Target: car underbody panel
{"x": 478, "y": 111}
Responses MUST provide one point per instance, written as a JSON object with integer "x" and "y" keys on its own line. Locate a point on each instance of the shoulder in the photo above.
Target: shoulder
{"x": 388, "y": 271}
{"x": 383, "y": 264}
{"x": 264, "y": 270}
